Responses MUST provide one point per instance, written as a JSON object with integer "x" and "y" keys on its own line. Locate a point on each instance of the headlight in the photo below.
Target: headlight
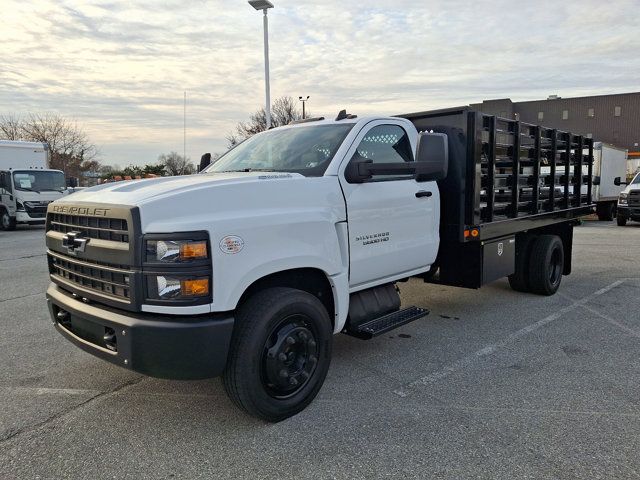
{"x": 177, "y": 268}
{"x": 622, "y": 200}
{"x": 176, "y": 251}
{"x": 178, "y": 287}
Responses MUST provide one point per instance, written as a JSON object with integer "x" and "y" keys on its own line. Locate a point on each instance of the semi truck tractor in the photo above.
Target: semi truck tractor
{"x": 247, "y": 269}
{"x": 27, "y": 185}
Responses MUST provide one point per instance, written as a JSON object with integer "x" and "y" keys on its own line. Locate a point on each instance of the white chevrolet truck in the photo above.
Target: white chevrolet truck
{"x": 247, "y": 269}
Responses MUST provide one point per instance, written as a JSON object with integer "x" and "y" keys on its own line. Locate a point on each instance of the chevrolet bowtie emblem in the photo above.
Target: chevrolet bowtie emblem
{"x": 74, "y": 242}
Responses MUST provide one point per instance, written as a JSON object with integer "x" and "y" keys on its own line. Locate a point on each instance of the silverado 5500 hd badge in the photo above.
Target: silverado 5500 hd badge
{"x": 373, "y": 238}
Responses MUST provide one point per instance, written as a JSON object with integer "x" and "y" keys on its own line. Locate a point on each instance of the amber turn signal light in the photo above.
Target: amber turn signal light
{"x": 194, "y": 288}
{"x": 193, "y": 250}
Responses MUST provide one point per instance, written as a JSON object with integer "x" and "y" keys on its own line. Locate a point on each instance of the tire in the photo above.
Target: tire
{"x": 519, "y": 280}
{"x": 280, "y": 353}
{"x": 7, "y": 222}
{"x": 621, "y": 221}
{"x": 605, "y": 212}
{"x": 546, "y": 264}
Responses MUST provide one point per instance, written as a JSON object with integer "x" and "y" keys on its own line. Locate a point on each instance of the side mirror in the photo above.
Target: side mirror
{"x": 617, "y": 182}
{"x": 356, "y": 171}
{"x": 596, "y": 180}
{"x": 205, "y": 161}
{"x": 432, "y": 157}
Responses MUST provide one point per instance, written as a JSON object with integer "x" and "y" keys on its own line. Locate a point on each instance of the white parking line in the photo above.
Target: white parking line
{"x": 48, "y": 391}
{"x": 621, "y": 326}
{"x": 488, "y": 350}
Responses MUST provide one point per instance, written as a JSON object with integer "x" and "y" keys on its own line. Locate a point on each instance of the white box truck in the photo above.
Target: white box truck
{"x": 27, "y": 185}
{"x": 247, "y": 269}
{"x": 609, "y": 162}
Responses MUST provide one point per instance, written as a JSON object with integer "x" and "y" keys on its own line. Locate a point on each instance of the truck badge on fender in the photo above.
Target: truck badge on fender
{"x": 373, "y": 238}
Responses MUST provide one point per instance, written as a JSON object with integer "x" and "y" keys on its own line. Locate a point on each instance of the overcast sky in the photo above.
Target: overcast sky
{"x": 120, "y": 68}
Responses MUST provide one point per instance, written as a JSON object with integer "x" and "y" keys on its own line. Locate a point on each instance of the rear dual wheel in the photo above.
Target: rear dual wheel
{"x": 280, "y": 353}
{"x": 539, "y": 265}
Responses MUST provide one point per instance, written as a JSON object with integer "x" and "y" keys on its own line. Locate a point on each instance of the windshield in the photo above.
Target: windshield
{"x": 304, "y": 150}
{"x": 38, "y": 181}
{"x": 636, "y": 180}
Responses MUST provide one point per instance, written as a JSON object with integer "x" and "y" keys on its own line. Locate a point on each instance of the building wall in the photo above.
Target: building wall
{"x": 591, "y": 116}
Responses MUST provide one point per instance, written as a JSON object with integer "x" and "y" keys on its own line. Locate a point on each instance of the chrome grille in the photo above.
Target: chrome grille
{"x": 634, "y": 198}
{"x": 102, "y": 278}
{"x": 113, "y": 229}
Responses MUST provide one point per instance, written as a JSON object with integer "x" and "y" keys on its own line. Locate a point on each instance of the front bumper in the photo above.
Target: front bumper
{"x": 629, "y": 212}
{"x": 163, "y": 346}
{"x": 24, "y": 217}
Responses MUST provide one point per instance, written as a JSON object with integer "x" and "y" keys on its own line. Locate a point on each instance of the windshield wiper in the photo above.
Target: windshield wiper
{"x": 27, "y": 189}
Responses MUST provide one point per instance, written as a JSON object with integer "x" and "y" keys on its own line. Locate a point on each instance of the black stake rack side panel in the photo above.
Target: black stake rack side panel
{"x": 505, "y": 177}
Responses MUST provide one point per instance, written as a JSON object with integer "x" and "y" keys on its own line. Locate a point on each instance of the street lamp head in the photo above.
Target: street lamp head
{"x": 260, "y": 4}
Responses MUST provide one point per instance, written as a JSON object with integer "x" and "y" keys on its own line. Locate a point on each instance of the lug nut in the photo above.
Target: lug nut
{"x": 282, "y": 357}
{"x": 303, "y": 336}
{"x": 290, "y": 340}
{"x": 312, "y": 344}
{"x": 284, "y": 373}
{"x": 312, "y": 359}
{"x": 293, "y": 381}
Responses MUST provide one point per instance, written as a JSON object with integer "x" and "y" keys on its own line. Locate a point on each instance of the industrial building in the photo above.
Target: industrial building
{"x": 613, "y": 119}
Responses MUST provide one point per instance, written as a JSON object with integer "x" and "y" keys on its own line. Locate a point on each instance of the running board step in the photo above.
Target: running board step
{"x": 383, "y": 324}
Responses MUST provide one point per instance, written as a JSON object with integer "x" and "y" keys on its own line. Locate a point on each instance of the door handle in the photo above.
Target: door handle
{"x": 423, "y": 193}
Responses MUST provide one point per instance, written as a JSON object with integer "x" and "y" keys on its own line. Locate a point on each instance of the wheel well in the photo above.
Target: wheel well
{"x": 310, "y": 280}
{"x": 565, "y": 232}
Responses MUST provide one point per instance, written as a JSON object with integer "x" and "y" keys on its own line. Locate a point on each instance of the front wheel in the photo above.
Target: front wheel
{"x": 546, "y": 265}
{"x": 7, "y": 222}
{"x": 621, "y": 221}
{"x": 280, "y": 353}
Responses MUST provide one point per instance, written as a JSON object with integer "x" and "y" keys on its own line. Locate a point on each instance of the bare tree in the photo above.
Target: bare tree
{"x": 283, "y": 111}
{"x": 69, "y": 147}
{"x": 10, "y": 127}
{"x": 175, "y": 164}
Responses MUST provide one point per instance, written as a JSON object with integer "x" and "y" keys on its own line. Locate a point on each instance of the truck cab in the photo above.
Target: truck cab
{"x": 628, "y": 201}
{"x": 300, "y": 232}
{"x": 27, "y": 186}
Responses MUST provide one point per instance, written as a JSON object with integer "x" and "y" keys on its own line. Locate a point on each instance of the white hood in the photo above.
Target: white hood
{"x": 191, "y": 202}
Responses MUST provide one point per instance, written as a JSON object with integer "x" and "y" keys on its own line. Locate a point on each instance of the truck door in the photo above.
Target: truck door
{"x": 393, "y": 220}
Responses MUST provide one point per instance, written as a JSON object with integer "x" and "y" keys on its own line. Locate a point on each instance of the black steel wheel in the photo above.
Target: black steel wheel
{"x": 546, "y": 264}
{"x": 621, "y": 220}
{"x": 280, "y": 353}
{"x": 290, "y": 356}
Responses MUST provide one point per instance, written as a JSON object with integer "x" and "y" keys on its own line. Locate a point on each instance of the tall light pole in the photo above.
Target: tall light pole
{"x": 304, "y": 100}
{"x": 265, "y": 5}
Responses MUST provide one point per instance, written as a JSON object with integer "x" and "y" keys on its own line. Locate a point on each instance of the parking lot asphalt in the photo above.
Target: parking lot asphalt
{"x": 492, "y": 384}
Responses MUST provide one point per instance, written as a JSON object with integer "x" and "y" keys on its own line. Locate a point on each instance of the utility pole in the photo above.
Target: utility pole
{"x": 184, "y": 125}
{"x": 304, "y": 101}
